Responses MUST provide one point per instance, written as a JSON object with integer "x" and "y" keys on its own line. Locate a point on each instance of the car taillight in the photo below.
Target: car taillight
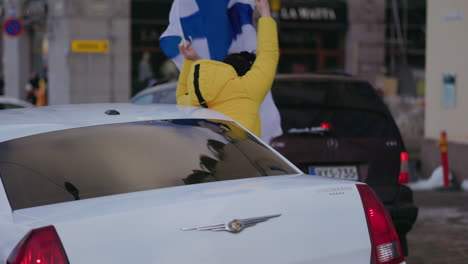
{"x": 326, "y": 125}
{"x": 403, "y": 177}
{"x": 39, "y": 246}
{"x": 386, "y": 248}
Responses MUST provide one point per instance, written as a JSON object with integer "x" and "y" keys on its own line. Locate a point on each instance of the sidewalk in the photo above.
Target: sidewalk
{"x": 440, "y": 234}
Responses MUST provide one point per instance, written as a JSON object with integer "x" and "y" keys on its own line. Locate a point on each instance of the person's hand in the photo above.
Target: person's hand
{"x": 263, "y": 8}
{"x": 188, "y": 51}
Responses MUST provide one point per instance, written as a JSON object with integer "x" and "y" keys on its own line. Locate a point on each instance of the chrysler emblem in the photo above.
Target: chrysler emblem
{"x": 233, "y": 226}
{"x": 332, "y": 143}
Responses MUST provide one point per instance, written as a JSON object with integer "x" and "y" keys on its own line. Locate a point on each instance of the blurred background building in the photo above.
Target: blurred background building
{"x": 373, "y": 39}
{"x": 447, "y": 83}
{"x": 79, "y": 48}
{"x": 368, "y": 38}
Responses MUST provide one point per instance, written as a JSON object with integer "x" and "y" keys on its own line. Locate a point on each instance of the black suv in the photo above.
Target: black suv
{"x": 338, "y": 126}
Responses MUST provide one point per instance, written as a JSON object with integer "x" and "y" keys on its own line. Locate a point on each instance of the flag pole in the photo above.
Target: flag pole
{"x": 184, "y": 41}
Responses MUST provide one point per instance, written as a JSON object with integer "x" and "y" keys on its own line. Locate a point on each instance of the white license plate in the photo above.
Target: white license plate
{"x": 339, "y": 172}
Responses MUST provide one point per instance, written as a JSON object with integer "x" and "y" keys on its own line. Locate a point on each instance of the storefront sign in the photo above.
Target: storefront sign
{"x": 314, "y": 11}
{"x": 13, "y": 27}
{"x": 90, "y": 46}
{"x": 308, "y": 13}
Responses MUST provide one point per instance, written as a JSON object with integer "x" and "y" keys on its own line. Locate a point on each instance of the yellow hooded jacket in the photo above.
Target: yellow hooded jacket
{"x": 238, "y": 97}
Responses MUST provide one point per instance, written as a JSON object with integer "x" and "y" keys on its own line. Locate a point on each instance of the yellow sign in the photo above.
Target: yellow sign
{"x": 90, "y": 46}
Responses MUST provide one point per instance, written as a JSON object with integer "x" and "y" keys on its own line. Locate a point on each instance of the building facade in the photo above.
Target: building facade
{"x": 312, "y": 36}
{"x": 446, "y": 85}
{"x": 365, "y": 42}
{"x": 149, "y": 19}
{"x": 51, "y": 29}
{"x": 315, "y": 36}
{"x": 89, "y": 58}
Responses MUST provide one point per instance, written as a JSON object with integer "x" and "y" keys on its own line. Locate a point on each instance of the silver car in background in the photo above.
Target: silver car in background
{"x": 158, "y": 94}
{"x": 12, "y": 103}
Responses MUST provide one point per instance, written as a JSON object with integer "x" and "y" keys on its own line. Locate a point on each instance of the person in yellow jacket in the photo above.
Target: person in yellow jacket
{"x": 237, "y": 86}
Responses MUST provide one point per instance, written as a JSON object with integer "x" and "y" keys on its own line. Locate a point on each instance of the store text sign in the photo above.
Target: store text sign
{"x": 308, "y": 14}
{"x": 90, "y": 46}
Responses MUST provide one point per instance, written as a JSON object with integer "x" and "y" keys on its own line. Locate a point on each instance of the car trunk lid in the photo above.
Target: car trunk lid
{"x": 317, "y": 220}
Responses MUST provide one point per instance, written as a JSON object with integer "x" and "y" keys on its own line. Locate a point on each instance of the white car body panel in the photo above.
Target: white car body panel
{"x": 144, "y": 227}
{"x": 322, "y": 220}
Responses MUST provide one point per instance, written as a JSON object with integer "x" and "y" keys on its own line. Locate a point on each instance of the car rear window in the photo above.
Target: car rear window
{"x": 113, "y": 159}
{"x": 349, "y": 109}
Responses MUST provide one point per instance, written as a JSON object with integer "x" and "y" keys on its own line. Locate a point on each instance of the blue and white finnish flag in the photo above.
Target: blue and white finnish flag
{"x": 217, "y": 28}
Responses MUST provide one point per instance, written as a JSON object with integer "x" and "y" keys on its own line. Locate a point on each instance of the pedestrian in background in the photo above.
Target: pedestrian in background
{"x": 237, "y": 86}
{"x": 31, "y": 87}
{"x": 2, "y": 86}
{"x": 41, "y": 92}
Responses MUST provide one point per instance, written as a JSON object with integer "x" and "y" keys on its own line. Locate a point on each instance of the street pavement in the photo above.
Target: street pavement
{"x": 440, "y": 234}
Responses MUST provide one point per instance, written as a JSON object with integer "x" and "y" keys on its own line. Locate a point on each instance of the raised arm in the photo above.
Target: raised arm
{"x": 190, "y": 55}
{"x": 263, "y": 70}
{"x": 263, "y": 8}
{"x": 182, "y": 82}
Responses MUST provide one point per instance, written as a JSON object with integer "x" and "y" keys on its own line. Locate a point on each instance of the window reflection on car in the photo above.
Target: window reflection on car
{"x": 98, "y": 161}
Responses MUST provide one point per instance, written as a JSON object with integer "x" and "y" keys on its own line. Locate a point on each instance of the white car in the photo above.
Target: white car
{"x": 12, "y": 103}
{"x": 123, "y": 183}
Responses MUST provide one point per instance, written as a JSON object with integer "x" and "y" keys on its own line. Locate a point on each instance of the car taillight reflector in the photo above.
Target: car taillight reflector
{"x": 404, "y": 156}
{"x": 403, "y": 177}
{"x": 39, "y": 246}
{"x": 386, "y": 248}
{"x": 326, "y": 125}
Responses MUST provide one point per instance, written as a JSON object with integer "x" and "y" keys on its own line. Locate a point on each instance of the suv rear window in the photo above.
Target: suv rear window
{"x": 113, "y": 159}
{"x": 352, "y": 109}
{"x": 327, "y": 93}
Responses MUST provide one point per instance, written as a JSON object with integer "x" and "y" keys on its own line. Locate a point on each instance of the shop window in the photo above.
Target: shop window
{"x": 298, "y": 38}
{"x": 332, "y": 63}
{"x": 298, "y": 63}
{"x": 332, "y": 41}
